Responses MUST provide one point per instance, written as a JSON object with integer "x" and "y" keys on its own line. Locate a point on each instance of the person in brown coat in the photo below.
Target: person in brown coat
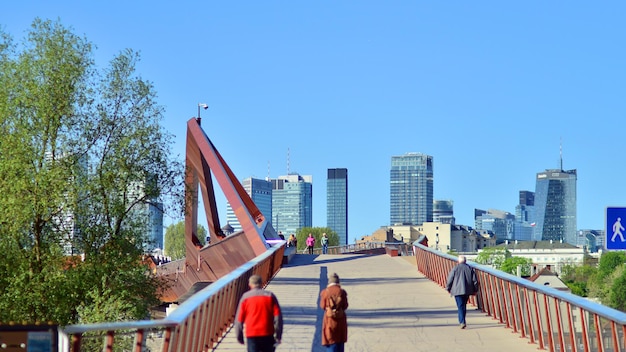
{"x": 334, "y": 302}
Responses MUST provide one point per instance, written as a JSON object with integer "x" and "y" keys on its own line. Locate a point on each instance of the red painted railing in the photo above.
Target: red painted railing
{"x": 552, "y": 319}
{"x": 198, "y": 324}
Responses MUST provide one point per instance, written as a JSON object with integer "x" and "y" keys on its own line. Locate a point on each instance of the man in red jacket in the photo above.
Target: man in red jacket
{"x": 260, "y": 313}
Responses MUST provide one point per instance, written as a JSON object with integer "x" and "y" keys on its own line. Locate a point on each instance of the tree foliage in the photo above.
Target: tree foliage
{"x": 82, "y": 156}
{"x": 175, "y": 239}
{"x": 494, "y": 256}
{"x": 579, "y": 278}
{"x": 303, "y": 233}
{"x": 510, "y": 265}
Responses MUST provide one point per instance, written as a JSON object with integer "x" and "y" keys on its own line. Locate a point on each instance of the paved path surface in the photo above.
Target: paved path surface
{"x": 392, "y": 308}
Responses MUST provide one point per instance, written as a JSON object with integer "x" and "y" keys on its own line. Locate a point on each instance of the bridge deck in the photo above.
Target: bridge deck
{"x": 392, "y": 308}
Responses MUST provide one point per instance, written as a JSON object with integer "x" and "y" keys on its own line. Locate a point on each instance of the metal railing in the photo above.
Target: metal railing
{"x": 349, "y": 248}
{"x": 552, "y": 319}
{"x": 198, "y": 324}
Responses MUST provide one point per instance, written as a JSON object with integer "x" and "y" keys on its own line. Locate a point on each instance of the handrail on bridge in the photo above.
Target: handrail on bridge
{"x": 555, "y": 320}
{"x": 198, "y": 324}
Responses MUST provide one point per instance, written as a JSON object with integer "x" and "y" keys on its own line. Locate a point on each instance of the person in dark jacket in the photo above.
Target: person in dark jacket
{"x": 334, "y": 328}
{"x": 260, "y": 312}
{"x": 461, "y": 284}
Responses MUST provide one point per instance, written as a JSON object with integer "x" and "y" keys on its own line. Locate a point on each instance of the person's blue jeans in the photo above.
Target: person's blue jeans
{"x": 325, "y": 249}
{"x": 336, "y": 347}
{"x": 461, "y": 305}
{"x": 261, "y": 344}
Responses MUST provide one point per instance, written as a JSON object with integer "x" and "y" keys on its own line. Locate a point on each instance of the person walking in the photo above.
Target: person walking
{"x": 310, "y": 243}
{"x": 461, "y": 284}
{"x": 324, "y": 242}
{"x": 334, "y": 302}
{"x": 260, "y": 313}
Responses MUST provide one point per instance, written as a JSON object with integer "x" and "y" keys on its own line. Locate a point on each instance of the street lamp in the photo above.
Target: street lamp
{"x": 201, "y": 105}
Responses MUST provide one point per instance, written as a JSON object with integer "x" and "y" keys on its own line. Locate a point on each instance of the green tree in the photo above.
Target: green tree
{"x": 175, "y": 239}
{"x": 510, "y": 265}
{"x": 578, "y": 277}
{"x": 303, "y": 233}
{"x": 82, "y": 156}
{"x": 494, "y": 256}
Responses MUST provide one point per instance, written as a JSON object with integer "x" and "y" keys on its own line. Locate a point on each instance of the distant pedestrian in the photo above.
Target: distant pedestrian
{"x": 291, "y": 241}
{"x": 310, "y": 243}
{"x": 461, "y": 284}
{"x": 324, "y": 242}
{"x": 260, "y": 313}
{"x": 334, "y": 302}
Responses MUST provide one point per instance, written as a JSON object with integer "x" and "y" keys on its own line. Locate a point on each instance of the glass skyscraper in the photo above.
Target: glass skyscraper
{"x": 260, "y": 191}
{"x": 292, "y": 203}
{"x": 555, "y": 206}
{"x": 337, "y": 203}
{"x": 411, "y": 189}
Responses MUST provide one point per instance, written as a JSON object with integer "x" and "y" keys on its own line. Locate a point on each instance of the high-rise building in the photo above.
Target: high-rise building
{"x": 443, "y": 211}
{"x": 292, "y": 203}
{"x": 260, "y": 191}
{"x": 411, "y": 189}
{"x": 555, "y": 206}
{"x": 501, "y": 223}
{"x": 524, "y": 216}
{"x": 337, "y": 203}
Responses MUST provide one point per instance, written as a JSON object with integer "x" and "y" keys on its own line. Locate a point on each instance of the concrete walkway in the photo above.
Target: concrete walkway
{"x": 392, "y": 308}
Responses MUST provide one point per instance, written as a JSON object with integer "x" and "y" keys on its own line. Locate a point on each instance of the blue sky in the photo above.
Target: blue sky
{"x": 490, "y": 89}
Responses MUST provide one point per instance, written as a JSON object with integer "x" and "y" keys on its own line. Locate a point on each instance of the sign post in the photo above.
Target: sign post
{"x": 615, "y": 228}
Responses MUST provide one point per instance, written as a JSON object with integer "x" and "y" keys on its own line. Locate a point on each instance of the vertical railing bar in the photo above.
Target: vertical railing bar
{"x": 572, "y": 332}
{"x": 538, "y": 318}
{"x": 510, "y": 315}
{"x": 76, "y": 340}
{"x": 167, "y": 338}
{"x": 520, "y": 312}
{"x": 108, "y": 341}
{"x": 139, "y": 334}
{"x": 557, "y": 309}
{"x": 615, "y": 338}
{"x": 546, "y": 304}
{"x": 585, "y": 332}
{"x": 499, "y": 294}
{"x": 529, "y": 316}
{"x": 596, "y": 320}
{"x": 493, "y": 301}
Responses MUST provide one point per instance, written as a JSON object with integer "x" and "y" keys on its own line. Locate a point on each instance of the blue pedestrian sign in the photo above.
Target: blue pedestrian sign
{"x": 615, "y": 232}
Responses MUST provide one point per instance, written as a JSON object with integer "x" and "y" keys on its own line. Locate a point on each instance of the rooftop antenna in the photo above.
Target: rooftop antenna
{"x": 288, "y": 161}
{"x": 268, "y": 171}
{"x": 561, "y": 152}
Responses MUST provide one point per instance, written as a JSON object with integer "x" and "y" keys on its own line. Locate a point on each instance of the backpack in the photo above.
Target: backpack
{"x": 332, "y": 309}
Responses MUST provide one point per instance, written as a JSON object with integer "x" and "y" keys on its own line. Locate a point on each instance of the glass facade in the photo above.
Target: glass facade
{"x": 411, "y": 189}
{"x": 292, "y": 203}
{"x": 260, "y": 191}
{"x": 443, "y": 210}
{"x": 555, "y": 206}
{"x": 337, "y": 203}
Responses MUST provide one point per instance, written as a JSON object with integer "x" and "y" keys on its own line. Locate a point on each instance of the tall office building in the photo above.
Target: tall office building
{"x": 260, "y": 191}
{"x": 501, "y": 223}
{"x": 411, "y": 189}
{"x": 555, "y": 206}
{"x": 524, "y": 216}
{"x": 337, "y": 203}
{"x": 292, "y": 203}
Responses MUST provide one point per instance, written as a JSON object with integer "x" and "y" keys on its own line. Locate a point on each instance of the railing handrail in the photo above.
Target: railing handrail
{"x": 555, "y": 320}
{"x": 597, "y": 308}
{"x": 187, "y": 309}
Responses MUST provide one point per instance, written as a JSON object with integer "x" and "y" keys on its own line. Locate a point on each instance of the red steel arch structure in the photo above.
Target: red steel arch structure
{"x": 209, "y": 281}
{"x": 209, "y": 263}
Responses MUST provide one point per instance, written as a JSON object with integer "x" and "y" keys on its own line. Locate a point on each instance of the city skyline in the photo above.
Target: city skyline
{"x": 304, "y": 87}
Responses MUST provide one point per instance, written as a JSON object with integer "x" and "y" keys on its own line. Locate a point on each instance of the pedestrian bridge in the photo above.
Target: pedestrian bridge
{"x": 396, "y": 304}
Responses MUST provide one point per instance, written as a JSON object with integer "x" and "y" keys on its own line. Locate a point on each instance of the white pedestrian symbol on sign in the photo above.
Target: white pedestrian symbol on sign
{"x": 617, "y": 230}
